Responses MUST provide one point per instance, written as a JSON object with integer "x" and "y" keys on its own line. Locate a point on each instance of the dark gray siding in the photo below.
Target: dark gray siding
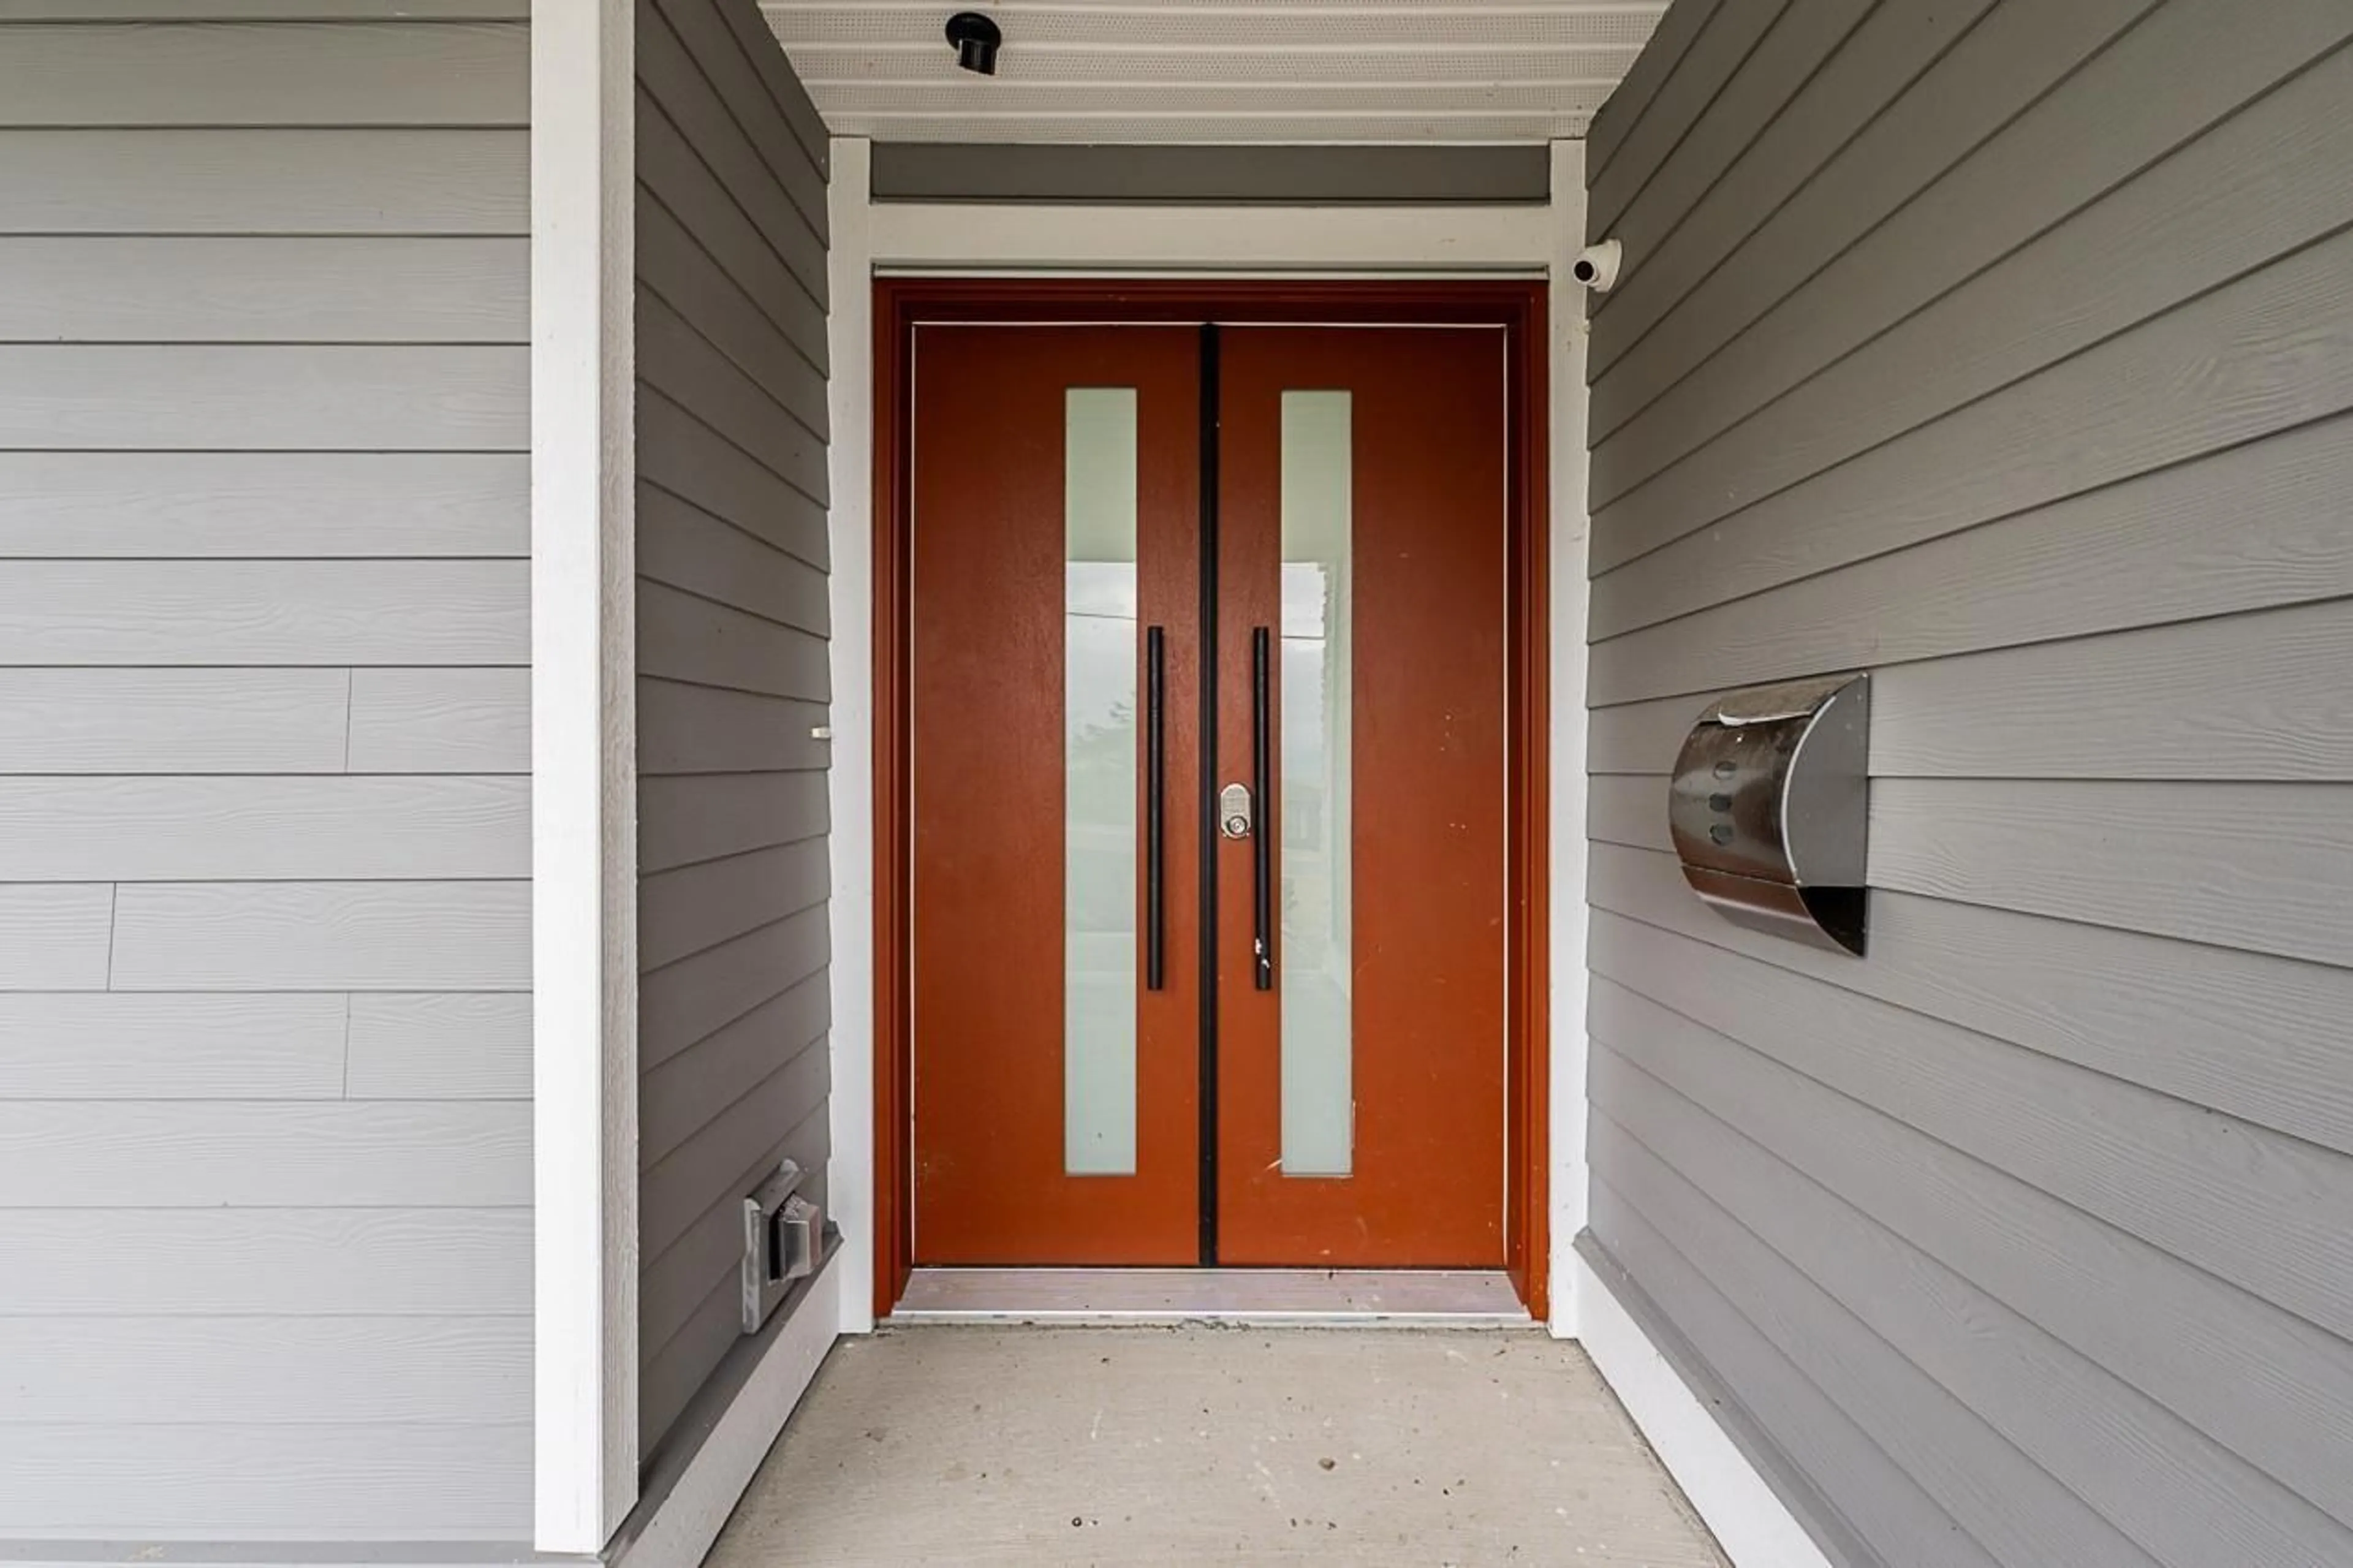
{"x": 731, "y": 628}
{"x": 265, "y": 1241}
{"x": 1133, "y": 173}
{"x": 2005, "y": 350}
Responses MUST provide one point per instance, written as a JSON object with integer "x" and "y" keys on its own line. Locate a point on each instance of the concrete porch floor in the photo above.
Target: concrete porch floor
{"x": 1200, "y": 1445}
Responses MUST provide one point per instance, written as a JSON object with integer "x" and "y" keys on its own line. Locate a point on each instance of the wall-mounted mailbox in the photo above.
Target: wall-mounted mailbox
{"x": 1767, "y": 808}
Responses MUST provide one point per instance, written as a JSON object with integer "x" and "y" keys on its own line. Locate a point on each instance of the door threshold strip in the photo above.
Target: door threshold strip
{"x": 1312, "y": 1298}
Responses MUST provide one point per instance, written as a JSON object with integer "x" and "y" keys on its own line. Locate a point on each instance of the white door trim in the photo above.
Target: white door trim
{"x": 850, "y": 472}
{"x": 584, "y": 854}
{"x": 871, "y": 238}
{"x": 1572, "y": 532}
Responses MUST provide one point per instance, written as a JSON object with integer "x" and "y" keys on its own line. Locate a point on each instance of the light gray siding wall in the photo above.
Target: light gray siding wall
{"x": 731, "y": 628}
{"x": 2005, "y": 350}
{"x": 265, "y": 1242}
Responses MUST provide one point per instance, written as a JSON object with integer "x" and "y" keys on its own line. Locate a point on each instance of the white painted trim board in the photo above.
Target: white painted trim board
{"x": 850, "y": 782}
{"x": 1755, "y": 1528}
{"x": 1572, "y": 529}
{"x": 583, "y": 772}
{"x": 680, "y": 1525}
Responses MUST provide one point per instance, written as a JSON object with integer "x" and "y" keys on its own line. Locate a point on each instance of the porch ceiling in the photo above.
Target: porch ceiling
{"x": 1218, "y": 71}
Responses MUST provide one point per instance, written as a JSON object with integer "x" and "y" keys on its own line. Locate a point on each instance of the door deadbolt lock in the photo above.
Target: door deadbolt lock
{"x": 1234, "y": 811}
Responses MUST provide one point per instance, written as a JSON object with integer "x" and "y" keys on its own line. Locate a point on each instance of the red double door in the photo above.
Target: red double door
{"x": 1208, "y": 740}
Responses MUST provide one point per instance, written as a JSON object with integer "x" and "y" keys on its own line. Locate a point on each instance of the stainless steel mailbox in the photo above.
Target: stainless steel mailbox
{"x": 1767, "y": 808}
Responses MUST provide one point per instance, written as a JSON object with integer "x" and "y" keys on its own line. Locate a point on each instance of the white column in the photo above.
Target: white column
{"x": 1571, "y": 528}
{"x": 583, "y": 772}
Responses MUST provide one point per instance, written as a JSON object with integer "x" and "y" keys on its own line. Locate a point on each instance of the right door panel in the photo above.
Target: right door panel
{"x": 1361, "y": 942}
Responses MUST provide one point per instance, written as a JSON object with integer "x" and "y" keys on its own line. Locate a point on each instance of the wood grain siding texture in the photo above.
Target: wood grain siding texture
{"x": 2002, "y": 351}
{"x": 265, "y": 1130}
{"x": 732, "y": 666}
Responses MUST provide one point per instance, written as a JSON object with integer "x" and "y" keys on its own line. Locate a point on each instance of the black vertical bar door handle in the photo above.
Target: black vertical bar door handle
{"x": 1156, "y": 795}
{"x": 1262, "y": 794}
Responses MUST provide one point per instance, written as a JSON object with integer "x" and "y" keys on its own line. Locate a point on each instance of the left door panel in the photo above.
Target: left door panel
{"x": 1056, "y": 558}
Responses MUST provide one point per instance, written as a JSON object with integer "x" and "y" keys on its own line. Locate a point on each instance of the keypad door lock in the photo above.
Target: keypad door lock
{"x": 1234, "y": 811}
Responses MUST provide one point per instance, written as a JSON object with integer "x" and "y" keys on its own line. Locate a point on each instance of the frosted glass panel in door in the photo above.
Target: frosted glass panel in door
{"x": 1313, "y": 784}
{"x": 1098, "y": 697}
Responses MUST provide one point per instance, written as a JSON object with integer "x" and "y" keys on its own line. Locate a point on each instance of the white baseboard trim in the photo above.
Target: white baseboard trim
{"x": 678, "y": 1523}
{"x": 1752, "y": 1526}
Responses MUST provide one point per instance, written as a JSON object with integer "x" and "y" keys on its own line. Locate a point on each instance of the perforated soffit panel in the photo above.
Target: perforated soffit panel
{"x": 1218, "y": 71}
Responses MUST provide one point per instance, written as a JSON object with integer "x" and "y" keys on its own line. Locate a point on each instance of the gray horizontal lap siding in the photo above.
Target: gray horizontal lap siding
{"x": 2006, "y": 350}
{"x": 732, "y": 665}
{"x": 264, "y": 917}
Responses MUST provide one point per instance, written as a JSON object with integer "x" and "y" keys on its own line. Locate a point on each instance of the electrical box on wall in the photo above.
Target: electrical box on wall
{"x": 784, "y": 1241}
{"x": 1768, "y": 809}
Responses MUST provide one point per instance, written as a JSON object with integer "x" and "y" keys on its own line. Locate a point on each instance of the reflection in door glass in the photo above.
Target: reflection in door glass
{"x": 1099, "y": 698}
{"x": 1318, "y": 1093}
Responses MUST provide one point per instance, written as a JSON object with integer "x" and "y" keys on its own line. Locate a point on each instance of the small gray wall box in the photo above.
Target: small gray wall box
{"x": 784, "y": 1241}
{"x": 1768, "y": 809}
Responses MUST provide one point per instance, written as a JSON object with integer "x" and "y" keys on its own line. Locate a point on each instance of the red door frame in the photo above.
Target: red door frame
{"x": 1516, "y": 307}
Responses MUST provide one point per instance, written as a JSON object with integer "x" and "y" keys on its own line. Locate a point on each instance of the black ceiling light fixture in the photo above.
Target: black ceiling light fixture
{"x": 976, "y": 41}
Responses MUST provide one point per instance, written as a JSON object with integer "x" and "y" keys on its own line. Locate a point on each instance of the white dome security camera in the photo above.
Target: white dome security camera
{"x": 1597, "y": 266}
